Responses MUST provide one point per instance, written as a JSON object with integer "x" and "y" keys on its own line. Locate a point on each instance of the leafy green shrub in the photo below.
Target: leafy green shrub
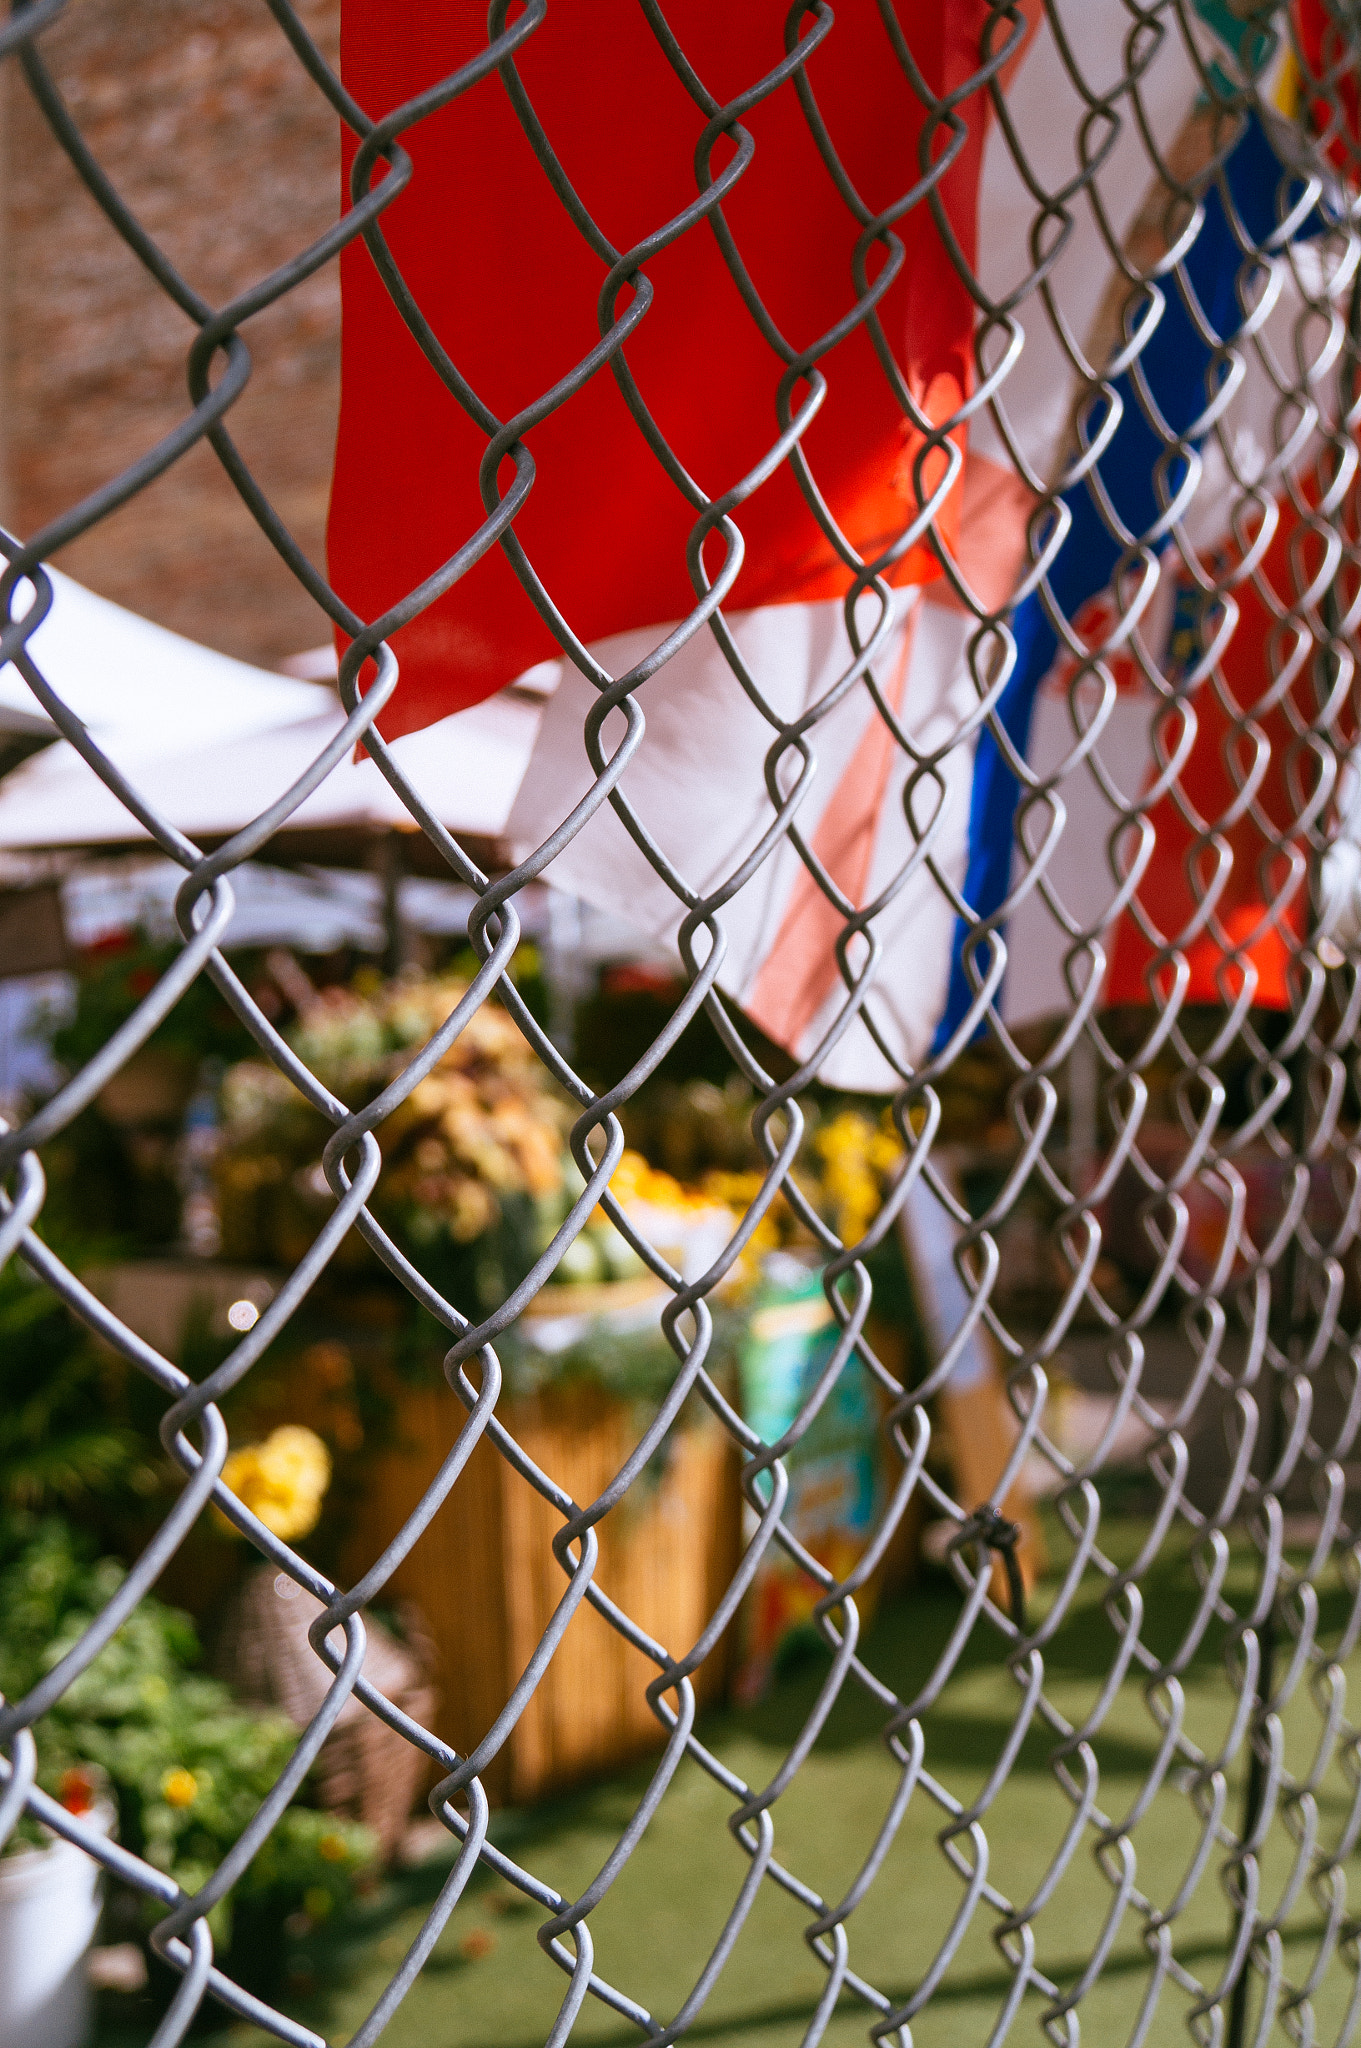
{"x": 115, "y": 976}
{"x": 58, "y": 1440}
{"x": 187, "y": 1766}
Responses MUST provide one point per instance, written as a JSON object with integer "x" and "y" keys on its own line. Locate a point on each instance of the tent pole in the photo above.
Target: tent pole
{"x": 390, "y": 866}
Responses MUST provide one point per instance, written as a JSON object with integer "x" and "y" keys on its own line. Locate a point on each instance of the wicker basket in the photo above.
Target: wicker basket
{"x": 365, "y": 1770}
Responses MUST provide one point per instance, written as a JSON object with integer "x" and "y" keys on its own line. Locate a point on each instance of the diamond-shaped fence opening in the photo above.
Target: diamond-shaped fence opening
{"x": 891, "y": 470}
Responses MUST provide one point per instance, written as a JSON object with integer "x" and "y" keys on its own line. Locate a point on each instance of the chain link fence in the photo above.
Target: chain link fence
{"x": 1040, "y": 766}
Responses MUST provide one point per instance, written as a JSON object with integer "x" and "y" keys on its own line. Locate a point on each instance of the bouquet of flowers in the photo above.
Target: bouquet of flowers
{"x": 471, "y": 1159}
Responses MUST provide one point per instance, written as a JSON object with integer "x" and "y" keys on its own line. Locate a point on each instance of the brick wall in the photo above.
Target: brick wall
{"x": 206, "y": 123}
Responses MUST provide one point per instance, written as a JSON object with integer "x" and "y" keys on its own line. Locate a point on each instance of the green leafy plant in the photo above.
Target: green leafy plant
{"x": 186, "y": 1764}
{"x": 60, "y": 1441}
{"x": 115, "y": 976}
{"x": 635, "y": 1366}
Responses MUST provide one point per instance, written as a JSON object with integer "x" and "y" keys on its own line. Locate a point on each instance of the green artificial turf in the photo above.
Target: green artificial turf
{"x": 489, "y": 1985}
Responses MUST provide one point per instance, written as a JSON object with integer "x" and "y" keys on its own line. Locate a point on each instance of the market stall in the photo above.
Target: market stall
{"x": 476, "y": 1178}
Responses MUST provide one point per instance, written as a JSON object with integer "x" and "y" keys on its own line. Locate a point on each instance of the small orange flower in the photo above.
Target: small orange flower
{"x": 179, "y": 1787}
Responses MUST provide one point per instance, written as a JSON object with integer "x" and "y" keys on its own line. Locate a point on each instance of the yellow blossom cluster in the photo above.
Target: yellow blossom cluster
{"x": 857, "y": 1155}
{"x": 179, "y": 1787}
{"x": 282, "y": 1481}
{"x": 852, "y": 1158}
{"x": 778, "y": 1228}
{"x": 635, "y": 1184}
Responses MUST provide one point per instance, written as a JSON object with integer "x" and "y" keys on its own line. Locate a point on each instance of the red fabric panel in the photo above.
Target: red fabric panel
{"x": 1324, "y": 50}
{"x": 1261, "y": 909}
{"x": 510, "y": 288}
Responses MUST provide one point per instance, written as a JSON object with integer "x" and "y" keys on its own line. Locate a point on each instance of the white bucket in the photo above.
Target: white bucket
{"x": 49, "y": 1909}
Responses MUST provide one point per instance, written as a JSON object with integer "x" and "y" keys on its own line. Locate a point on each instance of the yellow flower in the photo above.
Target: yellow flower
{"x": 179, "y": 1787}
{"x": 884, "y": 1151}
{"x": 332, "y": 1849}
{"x": 283, "y": 1480}
{"x": 635, "y": 1181}
{"x": 857, "y": 1159}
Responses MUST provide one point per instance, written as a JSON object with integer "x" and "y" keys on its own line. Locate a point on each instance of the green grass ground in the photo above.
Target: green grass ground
{"x": 488, "y": 1985}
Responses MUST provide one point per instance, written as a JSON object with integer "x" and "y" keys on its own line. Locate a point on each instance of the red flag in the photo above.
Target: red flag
{"x": 510, "y": 287}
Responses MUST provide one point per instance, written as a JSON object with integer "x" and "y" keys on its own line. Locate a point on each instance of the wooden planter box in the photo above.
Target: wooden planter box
{"x": 486, "y": 1581}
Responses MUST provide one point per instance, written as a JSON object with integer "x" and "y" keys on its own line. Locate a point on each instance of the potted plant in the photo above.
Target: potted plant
{"x": 185, "y": 1765}
{"x": 49, "y": 1909}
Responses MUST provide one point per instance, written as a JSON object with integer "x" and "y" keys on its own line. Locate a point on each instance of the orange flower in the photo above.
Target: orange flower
{"x": 179, "y": 1787}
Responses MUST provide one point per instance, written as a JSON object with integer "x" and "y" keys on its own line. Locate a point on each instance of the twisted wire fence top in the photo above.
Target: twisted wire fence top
{"x": 1157, "y": 396}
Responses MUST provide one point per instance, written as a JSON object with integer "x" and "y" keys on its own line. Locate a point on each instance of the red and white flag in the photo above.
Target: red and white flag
{"x": 510, "y": 286}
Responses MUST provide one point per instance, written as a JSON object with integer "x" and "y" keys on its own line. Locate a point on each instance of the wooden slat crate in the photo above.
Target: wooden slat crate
{"x": 485, "y": 1578}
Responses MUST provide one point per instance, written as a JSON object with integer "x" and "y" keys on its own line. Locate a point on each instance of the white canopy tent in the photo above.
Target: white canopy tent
{"x": 141, "y": 688}
{"x": 468, "y": 768}
{"x": 211, "y": 742}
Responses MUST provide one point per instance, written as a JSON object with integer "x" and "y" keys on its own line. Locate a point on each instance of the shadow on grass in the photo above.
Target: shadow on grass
{"x": 901, "y": 1646}
{"x": 960, "y": 1990}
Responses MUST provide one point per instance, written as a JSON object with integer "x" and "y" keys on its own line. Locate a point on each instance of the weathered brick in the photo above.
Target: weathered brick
{"x": 210, "y": 129}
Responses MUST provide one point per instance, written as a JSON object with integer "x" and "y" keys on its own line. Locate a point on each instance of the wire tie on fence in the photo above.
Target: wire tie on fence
{"x": 992, "y": 1527}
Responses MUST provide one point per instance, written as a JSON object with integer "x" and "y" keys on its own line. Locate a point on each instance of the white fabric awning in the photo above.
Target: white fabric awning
{"x": 465, "y": 766}
{"x": 468, "y": 768}
{"x": 211, "y": 742}
{"x": 142, "y": 688}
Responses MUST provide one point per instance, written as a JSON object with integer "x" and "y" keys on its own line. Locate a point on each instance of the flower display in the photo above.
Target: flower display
{"x": 634, "y": 1182}
{"x": 856, "y": 1155}
{"x": 184, "y": 1763}
{"x": 843, "y": 1174}
{"x": 469, "y": 1157}
{"x": 680, "y": 1223}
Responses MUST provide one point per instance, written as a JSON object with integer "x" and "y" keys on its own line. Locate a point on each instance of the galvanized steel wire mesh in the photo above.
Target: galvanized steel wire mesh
{"x": 1267, "y": 1329}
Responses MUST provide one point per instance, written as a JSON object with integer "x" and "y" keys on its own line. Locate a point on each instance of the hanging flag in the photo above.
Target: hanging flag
{"x": 510, "y": 284}
{"x": 888, "y": 826}
{"x": 1227, "y": 906}
{"x": 1065, "y": 880}
{"x": 511, "y": 289}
